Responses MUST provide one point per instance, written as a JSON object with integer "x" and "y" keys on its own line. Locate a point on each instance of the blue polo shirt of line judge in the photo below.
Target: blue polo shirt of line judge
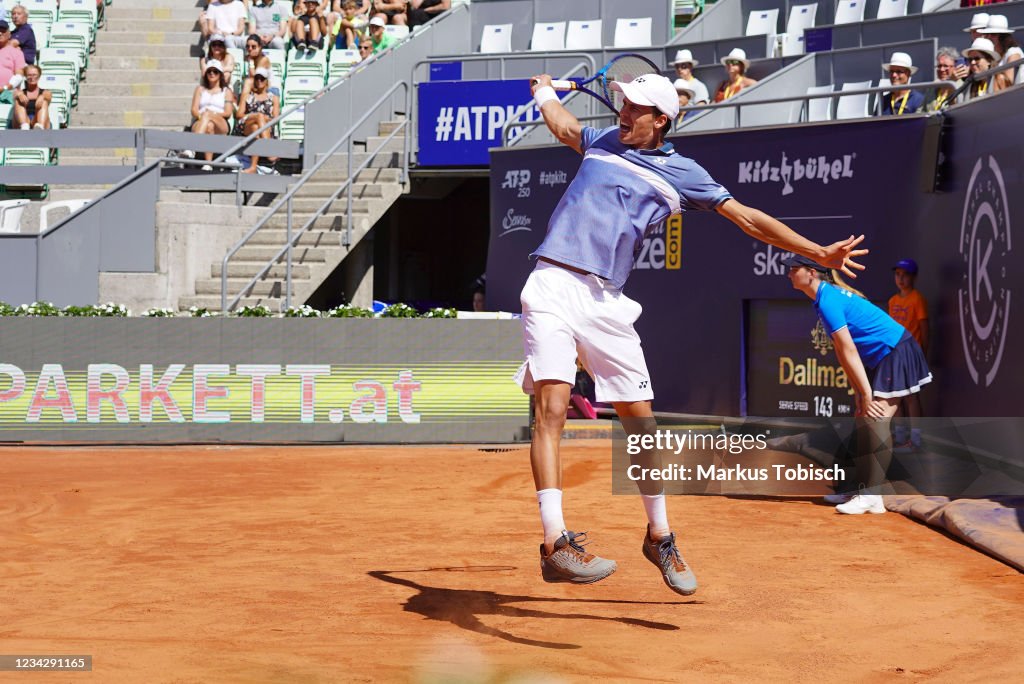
{"x": 620, "y": 193}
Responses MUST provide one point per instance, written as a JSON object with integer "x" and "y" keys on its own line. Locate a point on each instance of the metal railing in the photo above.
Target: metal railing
{"x": 591, "y": 102}
{"x": 286, "y": 201}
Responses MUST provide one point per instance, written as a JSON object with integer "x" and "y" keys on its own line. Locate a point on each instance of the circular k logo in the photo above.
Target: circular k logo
{"x": 984, "y": 294}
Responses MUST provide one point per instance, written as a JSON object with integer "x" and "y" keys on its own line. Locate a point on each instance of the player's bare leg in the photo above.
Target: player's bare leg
{"x": 659, "y": 545}
{"x": 562, "y": 556}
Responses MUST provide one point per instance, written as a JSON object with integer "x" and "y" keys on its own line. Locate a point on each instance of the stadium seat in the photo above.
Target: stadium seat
{"x": 876, "y": 107}
{"x": 687, "y": 8}
{"x": 632, "y": 33}
{"x": 41, "y": 11}
{"x": 889, "y": 9}
{"x": 305, "y": 64}
{"x": 396, "y": 31}
{"x": 278, "y": 61}
{"x": 78, "y": 10}
{"x": 26, "y": 156}
{"x": 61, "y": 61}
{"x": 5, "y": 114}
{"x": 72, "y": 34}
{"x": 801, "y": 17}
{"x": 10, "y": 213}
{"x": 340, "y": 63}
{"x": 853, "y": 106}
{"x": 850, "y": 11}
{"x": 293, "y": 126}
{"x": 298, "y": 89}
{"x": 583, "y": 35}
{"x": 44, "y": 212}
{"x": 819, "y": 109}
{"x": 764, "y": 23}
{"x": 42, "y": 34}
{"x": 548, "y": 36}
{"x": 496, "y": 38}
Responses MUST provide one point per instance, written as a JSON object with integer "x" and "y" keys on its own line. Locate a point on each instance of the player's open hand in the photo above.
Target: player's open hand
{"x": 840, "y": 255}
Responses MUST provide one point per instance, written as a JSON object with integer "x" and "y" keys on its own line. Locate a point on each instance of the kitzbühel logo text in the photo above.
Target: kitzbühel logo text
{"x": 788, "y": 172}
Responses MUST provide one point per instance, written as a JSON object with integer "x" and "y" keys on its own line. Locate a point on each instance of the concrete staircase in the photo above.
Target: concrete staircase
{"x": 142, "y": 74}
{"x": 320, "y": 250}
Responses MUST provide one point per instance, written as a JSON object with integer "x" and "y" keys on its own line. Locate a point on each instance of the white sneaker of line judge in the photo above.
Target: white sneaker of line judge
{"x": 862, "y": 503}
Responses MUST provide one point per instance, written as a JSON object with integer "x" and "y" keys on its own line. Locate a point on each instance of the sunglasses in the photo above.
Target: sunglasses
{"x": 733, "y": 62}
{"x": 252, "y": 47}
{"x": 975, "y": 58}
{"x": 259, "y": 77}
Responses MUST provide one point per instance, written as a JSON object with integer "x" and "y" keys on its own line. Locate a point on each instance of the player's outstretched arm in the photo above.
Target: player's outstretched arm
{"x": 754, "y": 222}
{"x": 562, "y": 124}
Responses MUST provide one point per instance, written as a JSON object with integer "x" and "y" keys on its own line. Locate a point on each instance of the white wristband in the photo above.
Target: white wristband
{"x": 543, "y": 95}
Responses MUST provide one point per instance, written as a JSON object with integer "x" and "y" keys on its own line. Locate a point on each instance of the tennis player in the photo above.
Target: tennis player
{"x": 882, "y": 360}
{"x": 630, "y": 181}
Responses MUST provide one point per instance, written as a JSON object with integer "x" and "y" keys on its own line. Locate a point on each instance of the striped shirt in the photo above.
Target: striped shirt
{"x": 618, "y": 195}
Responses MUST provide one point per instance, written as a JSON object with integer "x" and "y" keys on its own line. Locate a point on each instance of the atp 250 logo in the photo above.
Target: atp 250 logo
{"x": 984, "y": 294}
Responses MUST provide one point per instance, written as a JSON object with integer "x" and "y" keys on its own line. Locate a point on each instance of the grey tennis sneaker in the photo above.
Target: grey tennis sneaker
{"x": 665, "y": 554}
{"x": 570, "y": 563}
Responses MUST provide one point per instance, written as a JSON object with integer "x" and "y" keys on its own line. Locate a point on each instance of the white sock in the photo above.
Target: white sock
{"x": 24, "y": 126}
{"x": 656, "y": 515}
{"x": 550, "y": 501}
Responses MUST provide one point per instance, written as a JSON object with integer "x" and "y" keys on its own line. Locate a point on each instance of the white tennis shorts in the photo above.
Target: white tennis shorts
{"x": 567, "y": 314}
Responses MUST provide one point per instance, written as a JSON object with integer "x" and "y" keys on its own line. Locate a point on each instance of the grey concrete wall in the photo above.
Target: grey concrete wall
{"x": 188, "y": 243}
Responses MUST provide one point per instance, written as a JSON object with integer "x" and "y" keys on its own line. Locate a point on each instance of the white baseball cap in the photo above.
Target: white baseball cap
{"x": 902, "y": 60}
{"x": 214, "y": 64}
{"x": 683, "y": 86}
{"x": 262, "y": 71}
{"x": 377, "y": 21}
{"x": 684, "y": 57}
{"x": 651, "y": 90}
{"x": 978, "y": 22}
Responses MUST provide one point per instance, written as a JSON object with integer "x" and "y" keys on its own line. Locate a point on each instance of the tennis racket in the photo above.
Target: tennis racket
{"x": 623, "y": 68}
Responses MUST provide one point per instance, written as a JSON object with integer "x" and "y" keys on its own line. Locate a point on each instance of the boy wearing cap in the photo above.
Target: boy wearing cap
{"x": 909, "y": 308}
{"x": 380, "y": 40}
{"x": 900, "y": 101}
{"x": 629, "y": 182}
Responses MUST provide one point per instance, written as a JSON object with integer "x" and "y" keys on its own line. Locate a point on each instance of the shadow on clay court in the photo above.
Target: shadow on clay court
{"x": 463, "y": 607}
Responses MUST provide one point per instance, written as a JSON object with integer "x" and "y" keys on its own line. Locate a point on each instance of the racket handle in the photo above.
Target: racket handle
{"x": 558, "y": 85}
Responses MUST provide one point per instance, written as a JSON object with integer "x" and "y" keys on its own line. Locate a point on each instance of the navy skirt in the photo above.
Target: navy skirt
{"x": 902, "y": 372}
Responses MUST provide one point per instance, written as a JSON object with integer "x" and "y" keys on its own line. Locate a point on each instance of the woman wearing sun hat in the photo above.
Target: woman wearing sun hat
{"x": 999, "y": 32}
{"x": 684, "y": 63}
{"x": 981, "y": 56}
{"x": 900, "y": 101}
{"x": 736, "y": 65}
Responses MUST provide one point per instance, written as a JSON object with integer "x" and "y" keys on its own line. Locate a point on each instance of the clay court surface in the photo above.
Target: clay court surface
{"x": 313, "y": 564}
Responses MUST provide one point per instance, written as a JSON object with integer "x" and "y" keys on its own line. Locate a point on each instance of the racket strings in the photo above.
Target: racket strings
{"x": 624, "y": 69}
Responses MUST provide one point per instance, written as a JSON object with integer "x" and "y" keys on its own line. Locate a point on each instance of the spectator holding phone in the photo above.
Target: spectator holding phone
{"x": 946, "y": 60}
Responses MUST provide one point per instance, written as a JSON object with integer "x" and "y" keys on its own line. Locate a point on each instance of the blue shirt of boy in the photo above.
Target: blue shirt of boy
{"x": 873, "y": 331}
{"x": 617, "y": 196}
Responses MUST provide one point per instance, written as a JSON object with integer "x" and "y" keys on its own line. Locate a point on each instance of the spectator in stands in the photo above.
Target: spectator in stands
{"x": 22, "y": 35}
{"x": 218, "y": 50}
{"x": 422, "y": 11}
{"x": 978, "y": 22}
{"x": 349, "y": 26}
{"x": 227, "y": 17}
{"x": 268, "y": 24}
{"x": 32, "y": 103}
{"x": 981, "y": 56}
{"x": 255, "y": 59}
{"x": 999, "y": 32}
{"x": 945, "y": 66}
{"x": 213, "y": 104}
{"x": 736, "y": 65}
{"x": 380, "y": 40}
{"x": 479, "y": 300}
{"x": 391, "y": 11}
{"x": 258, "y": 106}
{"x": 684, "y": 63}
{"x": 12, "y": 65}
{"x": 365, "y": 49}
{"x": 309, "y": 28}
{"x": 686, "y": 95}
{"x": 900, "y": 101}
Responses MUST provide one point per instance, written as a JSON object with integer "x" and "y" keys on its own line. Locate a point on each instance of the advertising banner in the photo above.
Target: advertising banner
{"x": 260, "y": 380}
{"x": 791, "y": 367}
{"x": 460, "y": 120}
